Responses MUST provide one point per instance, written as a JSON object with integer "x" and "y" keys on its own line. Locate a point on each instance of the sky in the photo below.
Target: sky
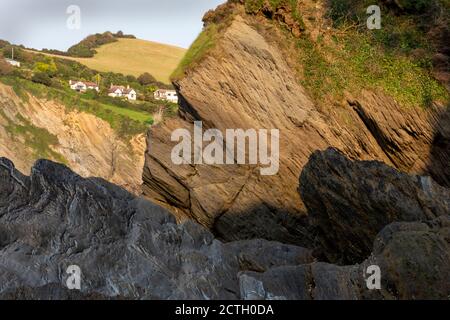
{"x": 47, "y": 24}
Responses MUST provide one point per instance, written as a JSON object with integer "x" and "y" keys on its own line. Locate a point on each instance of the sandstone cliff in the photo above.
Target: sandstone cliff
{"x": 36, "y": 128}
{"x": 250, "y": 78}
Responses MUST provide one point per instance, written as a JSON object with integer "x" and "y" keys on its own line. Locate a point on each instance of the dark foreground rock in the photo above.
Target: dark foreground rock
{"x": 126, "y": 247}
{"x": 129, "y": 248}
{"x": 369, "y": 213}
{"x": 349, "y": 202}
{"x": 413, "y": 259}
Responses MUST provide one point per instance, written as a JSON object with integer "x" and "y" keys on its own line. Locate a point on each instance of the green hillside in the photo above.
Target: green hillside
{"x": 134, "y": 57}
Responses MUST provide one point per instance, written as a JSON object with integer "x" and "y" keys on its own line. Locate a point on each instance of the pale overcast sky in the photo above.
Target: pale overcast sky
{"x": 43, "y": 23}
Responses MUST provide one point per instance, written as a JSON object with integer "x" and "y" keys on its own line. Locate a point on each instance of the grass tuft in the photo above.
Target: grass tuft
{"x": 204, "y": 42}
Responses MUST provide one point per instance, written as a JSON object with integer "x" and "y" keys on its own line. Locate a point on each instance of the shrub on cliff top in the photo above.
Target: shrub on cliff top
{"x": 42, "y": 78}
{"x": 204, "y": 42}
{"x": 395, "y": 59}
{"x": 5, "y": 67}
{"x": 278, "y": 9}
{"x": 414, "y": 5}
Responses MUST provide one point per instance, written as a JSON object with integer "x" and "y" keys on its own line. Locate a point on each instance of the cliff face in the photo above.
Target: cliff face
{"x": 36, "y": 128}
{"x": 248, "y": 80}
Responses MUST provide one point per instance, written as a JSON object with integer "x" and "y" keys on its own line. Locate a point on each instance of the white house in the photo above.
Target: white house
{"x": 13, "y": 62}
{"x": 122, "y": 92}
{"x": 168, "y": 95}
{"x": 83, "y": 86}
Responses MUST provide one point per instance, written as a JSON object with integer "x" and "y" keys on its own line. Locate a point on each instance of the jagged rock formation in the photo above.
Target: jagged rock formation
{"x": 358, "y": 210}
{"x": 129, "y": 248}
{"x": 125, "y": 246}
{"x": 86, "y": 143}
{"x": 248, "y": 80}
{"x": 413, "y": 259}
{"x": 350, "y": 202}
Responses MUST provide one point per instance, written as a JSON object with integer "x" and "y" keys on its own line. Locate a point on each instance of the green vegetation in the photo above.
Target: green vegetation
{"x": 204, "y": 42}
{"x": 358, "y": 64}
{"x": 395, "y": 59}
{"x": 146, "y": 79}
{"x": 132, "y": 114}
{"x": 216, "y": 21}
{"x": 132, "y": 57}
{"x": 62, "y": 70}
{"x": 48, "y": 77}
{"x": 42, "y": 78}
{"x": 5, "y": 67}
{"x": 86, "y": 48}
{"x": 19, "y": 53}
{"x": 126, "y": 122}
{"x": 256, "y": 6}
{"x": 37, "y": 139}
{"x": 48, "y": 67}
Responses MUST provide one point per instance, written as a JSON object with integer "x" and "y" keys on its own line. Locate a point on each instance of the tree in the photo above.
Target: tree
{"x": 19, "y": 53}
{"x": 42, "y": 78}
{"x": 5, "y": 67}
{"x": 146, "y": 79}
{"x": 151, "y": 89}
{"x": 4, "y": 43}
{"x": 48, "y": 67}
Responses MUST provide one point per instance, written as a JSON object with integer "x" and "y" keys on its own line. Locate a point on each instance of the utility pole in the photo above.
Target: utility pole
{"x": 12, "y": 53}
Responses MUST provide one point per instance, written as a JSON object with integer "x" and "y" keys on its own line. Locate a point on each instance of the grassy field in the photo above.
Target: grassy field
{"x": 134, "y": 57}
{"x": 139, "y": 116}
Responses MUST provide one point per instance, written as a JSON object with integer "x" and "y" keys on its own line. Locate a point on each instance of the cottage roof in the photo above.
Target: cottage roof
{"x": 121, "y": 88}
{"x": 165, "y": 90}
{"x": 86, "y": 83}
{"x": 114, "y": 89}
{"x": 128, "y": 90}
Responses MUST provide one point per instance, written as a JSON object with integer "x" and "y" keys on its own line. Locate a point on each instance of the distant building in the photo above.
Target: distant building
{"x": 13, "y": 62}
{"x": 122, "y": 92}
{"x": 83, "y": 86}
{"x": 168, "y": 95}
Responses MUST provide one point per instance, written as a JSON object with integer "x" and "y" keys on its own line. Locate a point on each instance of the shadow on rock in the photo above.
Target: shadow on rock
{"x": 262, "y": 221}
{"x": 439, "y": 162}
{"x": 349, "y": 203}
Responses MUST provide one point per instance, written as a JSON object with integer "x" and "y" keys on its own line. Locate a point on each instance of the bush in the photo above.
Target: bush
{"x": 48, "y": 67}
{"x": 419, "y": 6}
{"x": 120, "y": 34}
{"x": 131, "y": 79}
{"x": 42, "y": 78}
{"x": 5, "y": 67}
{"x": 19, "y": 54}
{"x": 146, "y": 79}
{"x": 81, "y": 51}
{"x": 86, "y": 47}
{"x": 3, "y": 44}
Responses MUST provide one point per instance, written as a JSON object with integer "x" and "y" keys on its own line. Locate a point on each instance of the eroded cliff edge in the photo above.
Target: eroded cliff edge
{"x": 249, "y": 79}
{"x": 34, "y": 128}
